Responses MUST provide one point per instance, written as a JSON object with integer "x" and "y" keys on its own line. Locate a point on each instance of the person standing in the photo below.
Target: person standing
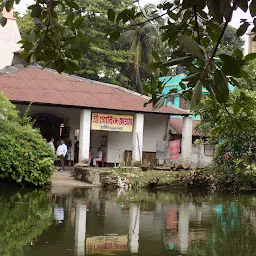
{"x": 90, "y": 157}
{"x": 61, "y": 153}
{"x": 76, "y": 158}
{"x": 99, "y": 158}
{"x": 51, "y": 144}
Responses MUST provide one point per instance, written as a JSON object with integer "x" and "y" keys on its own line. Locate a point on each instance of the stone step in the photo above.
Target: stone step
{"x": 70, "y": 183}
{"x": 59, "y": 177}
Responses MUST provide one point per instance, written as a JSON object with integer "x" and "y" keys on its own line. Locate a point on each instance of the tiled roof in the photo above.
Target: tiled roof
{"x": 176, "y": 124}
{"x": 44, "y": 86}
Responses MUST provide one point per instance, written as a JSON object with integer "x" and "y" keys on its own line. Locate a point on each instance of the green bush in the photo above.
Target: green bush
{"x": 232, "y": 172}
{"x": 24, "y": 156}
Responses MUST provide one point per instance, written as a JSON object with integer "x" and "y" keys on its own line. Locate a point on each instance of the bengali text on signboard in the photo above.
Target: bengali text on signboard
{"x": 109, "y": 122}
{"x": 106, "y": 244}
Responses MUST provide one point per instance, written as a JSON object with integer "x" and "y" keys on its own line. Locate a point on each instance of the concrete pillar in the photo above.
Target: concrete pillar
{"x": 167, "y": 156}
{"x": 186, "y": 144}
{"x": 134, "y": 226}
{"x": 183, "y": 228}
{"x": 72, "y": 139}
{"x": 137, "y": 141}
{"x": 80, "y": 229}
{"x": 84, "y": 134}
{"x": 250, "y": 42}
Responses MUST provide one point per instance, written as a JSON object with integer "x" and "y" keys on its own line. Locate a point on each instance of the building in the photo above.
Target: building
{"x": 9, "y": 38}
{"x": 95, "y": 113}
{"x": 251, "y": 43}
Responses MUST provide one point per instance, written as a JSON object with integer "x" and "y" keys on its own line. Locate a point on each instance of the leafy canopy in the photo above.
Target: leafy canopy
{"x": 195, "y": 34}
{"x": 189, "y": 30}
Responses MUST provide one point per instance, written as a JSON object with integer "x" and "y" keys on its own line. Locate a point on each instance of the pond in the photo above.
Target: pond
{"x": 78, "y": 222}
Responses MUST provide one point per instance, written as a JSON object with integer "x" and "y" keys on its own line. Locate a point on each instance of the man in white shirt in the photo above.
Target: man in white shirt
{"x": 61, "y": 152}
{"x": 99, "y": 158}
{"x": 51, "y": 144}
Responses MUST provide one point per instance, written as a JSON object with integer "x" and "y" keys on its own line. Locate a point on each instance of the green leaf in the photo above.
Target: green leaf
{"x": 115, "y": 35}
{"x": 243, "y": 5}
{"x": 159, "y": 103}
{"x": 220, "y": 86}
{"x": 192, "y": 46}
{"x": 72, "y": 4}
{"x": 70, "y": 67}
{"x": 214, "y": 7}
{"x": 180, "y": 60}
{"x": 79, "y": 22}
{"x": 239, "y": 54}
{"x": 250, "y": 56}
{"x": 231, "y": 66}
{"x": 111, "y": 15}
{"x": 69, "y": 20}
{"x": 197, "y": 95}
{"x": 59, "y": 65}
{"x": 191, "y": 3}
{"x": 36, "y": 10}
{"x": 121, "y": 15}
{"x": 153, "y": 66}
{"x": 242, "y": 29}
{"x": 236, "y": 108}
{"x": 155, "y": 56}
{"x": 253, "y": 8}
{"x": 3, "y": 21}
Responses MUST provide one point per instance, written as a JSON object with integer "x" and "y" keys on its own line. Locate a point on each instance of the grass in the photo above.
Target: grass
{"x": 151, "y": 178}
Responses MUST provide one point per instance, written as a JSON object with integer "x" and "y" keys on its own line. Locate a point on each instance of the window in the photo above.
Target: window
{"x": 208, "y": 150}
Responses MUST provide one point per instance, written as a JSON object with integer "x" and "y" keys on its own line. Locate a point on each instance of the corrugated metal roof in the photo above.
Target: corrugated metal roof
{"x": 44, "y": 86}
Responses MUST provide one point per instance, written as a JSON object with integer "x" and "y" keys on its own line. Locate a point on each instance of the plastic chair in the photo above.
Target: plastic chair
{"x": 98, "y": 163}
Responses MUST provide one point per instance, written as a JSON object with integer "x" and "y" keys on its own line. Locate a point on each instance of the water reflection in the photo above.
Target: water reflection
{"x": 95, "y": 221}
{"x": 24, "y": 215}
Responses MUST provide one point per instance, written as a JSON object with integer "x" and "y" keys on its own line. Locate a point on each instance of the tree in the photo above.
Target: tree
{"x": 232, "y": 127}
{"x": 229, "y": 42}
{"x": 142, "y": 41}
{"x": 25, "y": 24}
{"x": 100, "y": 59}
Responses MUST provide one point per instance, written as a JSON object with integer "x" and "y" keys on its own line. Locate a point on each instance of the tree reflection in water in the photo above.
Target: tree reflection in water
{"x": 24, "y": 215}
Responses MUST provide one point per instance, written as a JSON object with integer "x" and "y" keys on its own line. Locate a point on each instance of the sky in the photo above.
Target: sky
{"x": 234, "y": 22}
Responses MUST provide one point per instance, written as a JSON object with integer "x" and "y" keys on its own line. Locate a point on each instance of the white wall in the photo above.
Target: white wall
{"x": 9, "y": 37}
{"x": 96, "y": 142}
{"x": 199, "y": 159}
{"x": 118, "y": 142}
{"x": 155, "y": 128}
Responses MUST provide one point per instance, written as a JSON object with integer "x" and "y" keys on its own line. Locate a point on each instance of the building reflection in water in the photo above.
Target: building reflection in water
{"x": 183, "y": 228}
{"x": 80, "y": 229}
{"x": 134, "y": 226}
{"x": 103, "y": 223}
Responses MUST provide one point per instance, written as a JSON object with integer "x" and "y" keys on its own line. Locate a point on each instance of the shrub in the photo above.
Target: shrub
{"x": 200, "y": 179}
{"x": 137, "y": 164}
{"x": 232, "y": 171}
{"x": 25, "y": 156}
